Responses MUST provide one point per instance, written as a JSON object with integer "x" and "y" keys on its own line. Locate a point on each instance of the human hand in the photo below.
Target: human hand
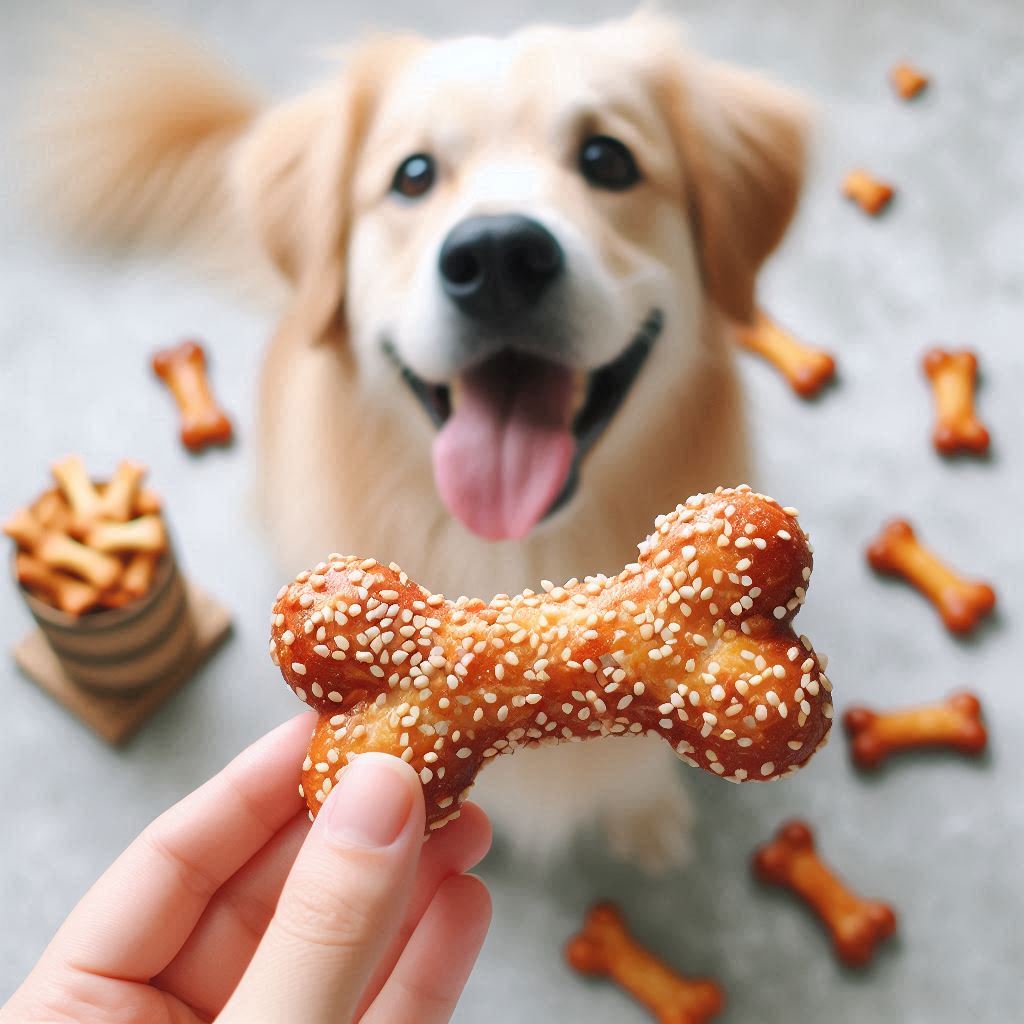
{"x": 230, "y": 906}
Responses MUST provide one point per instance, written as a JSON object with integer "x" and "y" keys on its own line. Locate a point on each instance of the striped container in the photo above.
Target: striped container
{"x": 123, "y": 650}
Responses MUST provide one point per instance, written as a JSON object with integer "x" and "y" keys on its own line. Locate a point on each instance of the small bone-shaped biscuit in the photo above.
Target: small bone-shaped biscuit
{"x": 183, "y": 369}
{"x": 856, "y": 925}
{"x": 119, "y": 496}
{"x": 64, "y": 592}
{"x": 869, "y": 193}
{"x": 907, "y": 80}
{"x": 59, "y": 551}
{"x": 962, "y": 603}
{"x": 147, "y": 503}
{"x": 605, "y": 948}
{"x": 692, "y": 642}
{"x": 146, "y": 533}
{"x": 139, "y": 573}
{"x": 806, "y": 369}
{"x": 52, "y": 511}
{"x": 954, "y": 376}
{"x": 954, "y": 722}
{"x": 74, "y": 482}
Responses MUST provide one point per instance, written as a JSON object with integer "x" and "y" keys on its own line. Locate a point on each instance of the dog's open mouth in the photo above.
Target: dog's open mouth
{"x": 514, "y": 435}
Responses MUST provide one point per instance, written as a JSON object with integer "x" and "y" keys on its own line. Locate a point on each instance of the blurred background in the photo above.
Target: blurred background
{"x": 940, "y": 837}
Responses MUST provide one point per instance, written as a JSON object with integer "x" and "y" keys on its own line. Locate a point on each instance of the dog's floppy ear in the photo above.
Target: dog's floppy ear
{"x": 293, "y": 181}
{"x": 743, "y": 145}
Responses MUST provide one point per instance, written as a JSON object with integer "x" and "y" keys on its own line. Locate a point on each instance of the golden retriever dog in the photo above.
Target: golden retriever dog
{"x": 511, "y": 266}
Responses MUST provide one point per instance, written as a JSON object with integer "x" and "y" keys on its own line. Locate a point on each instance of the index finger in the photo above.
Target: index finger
{"x": 134, "y": 920}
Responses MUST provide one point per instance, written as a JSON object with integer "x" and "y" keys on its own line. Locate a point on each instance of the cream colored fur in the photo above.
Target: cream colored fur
{"x": 165, "y": 147}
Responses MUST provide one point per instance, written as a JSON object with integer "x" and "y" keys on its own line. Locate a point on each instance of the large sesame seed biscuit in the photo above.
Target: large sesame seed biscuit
{"x": 692, "y": 642}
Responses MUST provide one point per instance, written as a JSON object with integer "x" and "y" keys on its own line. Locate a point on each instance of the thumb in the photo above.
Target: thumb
{"x": 343, "y": 901}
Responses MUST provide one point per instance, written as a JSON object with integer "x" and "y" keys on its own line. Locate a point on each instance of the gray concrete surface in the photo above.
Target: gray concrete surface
{"x": 941, "y": 838}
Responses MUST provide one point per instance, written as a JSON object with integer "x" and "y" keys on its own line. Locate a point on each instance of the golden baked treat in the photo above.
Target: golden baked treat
{"x": 806, "y": 369}
{"x": 692, "y": 642}
{"x": 907, "y": 80}
{"x": 962, "y": 603}
{"x": 84, "y": 546}
{"x": 856, "y": 925}
{"x": 954, "y": 377}
{"x": 606, "y": 949}
{"x": 183, "y": 369}
{"x": 954, "y": 723}
{"x": 868, "y": 192}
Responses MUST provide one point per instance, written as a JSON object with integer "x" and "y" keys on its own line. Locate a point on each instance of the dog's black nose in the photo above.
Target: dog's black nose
{"x": 493, "y": 267}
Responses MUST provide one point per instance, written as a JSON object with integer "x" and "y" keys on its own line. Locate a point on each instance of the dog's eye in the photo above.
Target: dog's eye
{"x": 608, "y": 163}
{"x": 415, "y": 176}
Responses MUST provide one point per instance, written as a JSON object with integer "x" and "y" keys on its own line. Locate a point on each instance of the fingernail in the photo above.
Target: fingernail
{"x": 370, "y": 804}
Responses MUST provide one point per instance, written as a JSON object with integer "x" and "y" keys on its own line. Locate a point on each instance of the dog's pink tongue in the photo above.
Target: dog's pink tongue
{"x": 507, "y": 448}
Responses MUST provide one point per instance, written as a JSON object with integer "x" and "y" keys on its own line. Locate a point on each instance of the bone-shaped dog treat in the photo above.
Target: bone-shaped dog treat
{"x": 856, "y": 925}
{"x": 954, "y": 722}
{"x": 147, "y": 503}
{"x": 59, "y": 551}
{"x": 183, "y": 369}
{"x": 146, "y": 533}
{"x": 954, "y": 376}
{"x": 806, "y": 369}
{"x": 605, "y": 948}
{"x": 74, "y": 482}
{"x": 52, "y": 511}
{"x": 118, "y": 499}
{"x": 692, "y": 642}
{"x": 869, "y": 193}
{"x": 65, "y": 592}
{"x": 907, "y": 80}
{"x": 962, "y": 603}
{"x": 139, "y": 573}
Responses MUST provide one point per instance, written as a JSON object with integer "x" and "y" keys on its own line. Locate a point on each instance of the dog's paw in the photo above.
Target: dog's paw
{"x": 656, "y": 836}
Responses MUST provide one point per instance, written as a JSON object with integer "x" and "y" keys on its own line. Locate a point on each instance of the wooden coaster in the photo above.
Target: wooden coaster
{"x": 114, "y": 717}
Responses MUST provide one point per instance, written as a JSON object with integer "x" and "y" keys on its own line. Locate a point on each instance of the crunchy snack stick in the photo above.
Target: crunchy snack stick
{"x": 64, "y": 592}
{"x": 693, "y": 642}
{"x": 806, "y": 369}
{"x": 76, "y": 486}
{"x": 147, "y": 503}
{"x": 146, "y": 533}
{"x": 605, "y": 948}
{"x": 52, "y": 511}
{"x": 139, "y": 573}
{"x": 869, "y": 193}
{"x": 183, "y": 370}
{"x": 954, "y": 722}
{"x": 120, "y": 494}
{"x": 856, "y": 925}
{"x": 962, "y": 603}
{"x": 954, "y": 376}
{"x": 907, "y": 80}
{"x": 58, "y": 551}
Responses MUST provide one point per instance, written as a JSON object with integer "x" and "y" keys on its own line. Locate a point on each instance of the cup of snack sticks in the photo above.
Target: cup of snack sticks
{"x": 95, "y": 567}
